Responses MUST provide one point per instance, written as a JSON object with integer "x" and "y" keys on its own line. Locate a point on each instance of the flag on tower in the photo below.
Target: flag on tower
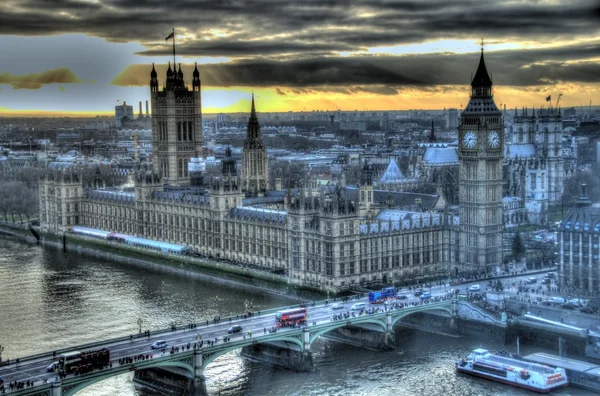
{"x": 548, "y": 98}
{"x": 170, "y": 36}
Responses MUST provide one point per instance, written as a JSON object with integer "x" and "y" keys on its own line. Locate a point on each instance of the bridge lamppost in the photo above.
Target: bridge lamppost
{"x": 140, "y": 321}
{"x": 1, "y": 350}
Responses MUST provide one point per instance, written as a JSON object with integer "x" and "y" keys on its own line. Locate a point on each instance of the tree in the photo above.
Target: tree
{"x": 572, "y": 185}
{"x": 16, "y": 198}
{"x": 518, "y": 248}
{"x": 498, "y": 286}
{"x": 292, "y": 174}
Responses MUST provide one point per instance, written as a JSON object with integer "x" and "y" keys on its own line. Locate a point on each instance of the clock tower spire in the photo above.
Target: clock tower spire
{"x": 480, "y": 177}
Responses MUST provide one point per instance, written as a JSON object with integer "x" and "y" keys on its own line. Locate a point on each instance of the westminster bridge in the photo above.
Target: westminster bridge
{"x": 195, "y": 345}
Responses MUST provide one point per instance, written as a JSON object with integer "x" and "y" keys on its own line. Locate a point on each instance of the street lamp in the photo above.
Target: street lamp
{"x": 1, "y": 350}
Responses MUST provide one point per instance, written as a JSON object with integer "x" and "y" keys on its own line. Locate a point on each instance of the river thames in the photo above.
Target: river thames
{"x": 49, "y": 301}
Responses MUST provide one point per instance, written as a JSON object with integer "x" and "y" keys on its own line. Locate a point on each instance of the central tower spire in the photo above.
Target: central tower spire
{"x": 482, "y": 83}
{"x": 255, "y": 166}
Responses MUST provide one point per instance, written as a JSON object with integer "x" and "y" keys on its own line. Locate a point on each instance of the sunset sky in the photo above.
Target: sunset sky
{"x": 81, "y": 56}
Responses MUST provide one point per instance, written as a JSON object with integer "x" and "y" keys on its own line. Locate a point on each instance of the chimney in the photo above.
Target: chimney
{"x": 583, "y": 198}
{"x": 147, "y": 113}
{"x": 141, "y": 114}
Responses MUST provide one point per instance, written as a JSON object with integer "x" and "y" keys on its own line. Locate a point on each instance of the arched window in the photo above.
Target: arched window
{"x": 520, "y": 135}
{"x": 190, "y": 130}
{"x": 178, "y": 131}
{"x": 184, "y": 131}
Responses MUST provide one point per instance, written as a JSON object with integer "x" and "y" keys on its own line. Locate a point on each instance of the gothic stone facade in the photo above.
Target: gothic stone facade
{"x": 481, "y": 177}
{"x": 534, "y": 163}
{"x": 324, "y": 238}
{"x": 176, "y": 126}
{"x": 315, "y": 239}
{"x": 579, "y": 239}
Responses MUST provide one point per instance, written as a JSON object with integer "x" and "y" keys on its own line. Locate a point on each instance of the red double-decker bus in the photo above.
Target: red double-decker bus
{"x": 291, "y": 317}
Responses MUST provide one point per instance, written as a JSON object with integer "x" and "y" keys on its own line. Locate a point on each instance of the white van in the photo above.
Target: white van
{"x": 557, "y": 300}
{"x": 358, "y": 306}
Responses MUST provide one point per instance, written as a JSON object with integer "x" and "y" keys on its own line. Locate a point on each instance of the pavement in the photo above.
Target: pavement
{"x": 35, "y": 369}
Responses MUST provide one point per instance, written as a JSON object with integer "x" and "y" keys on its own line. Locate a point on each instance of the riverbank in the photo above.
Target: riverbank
{"x": 200, "y": 268}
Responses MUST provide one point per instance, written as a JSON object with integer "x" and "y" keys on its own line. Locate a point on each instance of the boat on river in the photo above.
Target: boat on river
{"x": 512, "y": 371}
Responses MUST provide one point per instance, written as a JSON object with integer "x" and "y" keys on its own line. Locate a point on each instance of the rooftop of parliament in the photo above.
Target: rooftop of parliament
{"x": 329, "y": 238}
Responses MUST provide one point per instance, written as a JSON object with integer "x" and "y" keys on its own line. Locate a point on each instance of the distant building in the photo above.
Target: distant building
{"x": 121, "y": 111}
{"x": 569, "y": 112}
{"x": 452, "y": 119}
{"x": 359, "y": 126}
{"x": 67, "y": 137}
{"x": 579, "y": 252}
{"x": 534, "y": 160}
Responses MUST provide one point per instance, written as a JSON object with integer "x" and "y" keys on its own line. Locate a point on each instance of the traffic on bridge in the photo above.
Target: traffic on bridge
{"x": 39, "y": 371}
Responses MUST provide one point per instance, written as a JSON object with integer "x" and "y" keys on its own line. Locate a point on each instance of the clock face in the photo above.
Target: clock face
{"x": 470, "y": 139}
{"x": 494, "y": 139}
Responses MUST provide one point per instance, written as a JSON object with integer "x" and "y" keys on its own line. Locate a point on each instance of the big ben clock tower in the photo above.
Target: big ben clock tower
{"x": 481, "y": 148}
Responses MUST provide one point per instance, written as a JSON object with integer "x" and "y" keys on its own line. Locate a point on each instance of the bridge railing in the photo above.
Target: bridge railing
{"x": 32, "y": 390}
{"x": 176, "y": 327}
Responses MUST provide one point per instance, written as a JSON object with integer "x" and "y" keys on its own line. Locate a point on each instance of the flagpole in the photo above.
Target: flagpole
{"x": 174, "y": 65}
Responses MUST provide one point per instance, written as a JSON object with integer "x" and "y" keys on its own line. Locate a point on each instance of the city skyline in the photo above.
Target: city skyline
{"x": 80, "y": 57}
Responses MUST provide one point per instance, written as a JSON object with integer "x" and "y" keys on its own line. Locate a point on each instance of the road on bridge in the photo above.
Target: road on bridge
{"x": 35, "y": 370}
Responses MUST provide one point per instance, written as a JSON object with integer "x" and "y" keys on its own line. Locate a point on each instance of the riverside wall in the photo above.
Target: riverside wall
{"x": 127, "y": 254}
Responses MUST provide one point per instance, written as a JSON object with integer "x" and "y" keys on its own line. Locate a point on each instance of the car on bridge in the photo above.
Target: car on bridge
{"x": 419, "y": 292}
{"x": 52, "y": 367}
{"x": 160, "y": 344}
{"x": 531, "y": 280}
{"x": 425, "y": 296}
{"x": 401, "y": 296}
{"x": 358, "y": 306}
{"x": 337, "y": 306}
{"x": 475, "y": 288}
{"x": 589, "y": 310}
{"x": 234, "y": 329}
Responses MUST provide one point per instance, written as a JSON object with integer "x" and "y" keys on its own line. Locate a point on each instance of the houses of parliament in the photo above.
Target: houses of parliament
{"x": 328, "y": 237}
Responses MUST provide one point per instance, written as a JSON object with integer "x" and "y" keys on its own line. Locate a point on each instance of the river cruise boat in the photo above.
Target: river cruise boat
{"x": 511, "y": 371}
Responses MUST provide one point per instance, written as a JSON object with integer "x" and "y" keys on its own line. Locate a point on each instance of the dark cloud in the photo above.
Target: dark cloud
{"x": 299, "y": 44}
{"x": 384, "y": 75}
{"x": 60, "y": 75}
{"x": 274, "y": 26}
{"x": 222, "y": 47}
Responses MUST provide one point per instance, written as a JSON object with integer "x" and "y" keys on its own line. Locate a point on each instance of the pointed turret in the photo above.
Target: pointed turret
{"x": 432, "y": 138}
{"x": 153, "y": 80}
{"x": 253, "y": 138}
{"x": 482, "y": 83}
{"x": 169, "y": 71}
{"x": 481, "y": 75}
{"x": 255, "y": 169}
{"x": 196, "y": 78}
{"x": 180, "y": 73}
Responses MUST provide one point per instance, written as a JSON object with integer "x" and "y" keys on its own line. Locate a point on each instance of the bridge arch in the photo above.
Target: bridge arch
{"x": 70, "y": 391}
{"x": 210, "y": 357}
{"x": 403, "y": 313}
{"x": 343, "y": 323}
